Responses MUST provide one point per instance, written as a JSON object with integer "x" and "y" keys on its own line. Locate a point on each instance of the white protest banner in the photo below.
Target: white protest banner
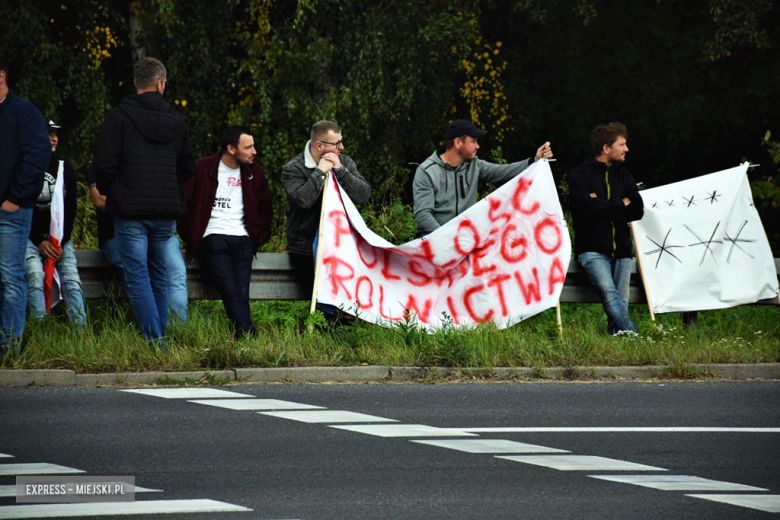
{"x": 703, "y": 245}
{"x": 504, "y": 259}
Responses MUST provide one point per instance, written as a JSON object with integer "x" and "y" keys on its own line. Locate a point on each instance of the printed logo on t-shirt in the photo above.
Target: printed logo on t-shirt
{"x": 234, "y": 181}
{"x": 222, "y": 202}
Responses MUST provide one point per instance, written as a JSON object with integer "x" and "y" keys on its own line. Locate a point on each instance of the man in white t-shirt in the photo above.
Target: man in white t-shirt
{"x": 229, "y": 212}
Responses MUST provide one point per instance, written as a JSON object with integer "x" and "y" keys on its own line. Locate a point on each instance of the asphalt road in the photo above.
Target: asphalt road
{"x": 281, "y": 467}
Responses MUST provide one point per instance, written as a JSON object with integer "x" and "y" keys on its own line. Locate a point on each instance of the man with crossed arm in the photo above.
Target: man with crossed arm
{"x": 604, "y": 199}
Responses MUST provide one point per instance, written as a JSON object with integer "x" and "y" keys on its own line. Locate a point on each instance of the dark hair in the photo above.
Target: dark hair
{"x": 147, "y": 71}
{"x": 320, "y": 129}
{"x": 606, "y": 135}
{"x": 4, "y": 66}
{"x": 232, "y": 135}
{"x": 449, "y": 143}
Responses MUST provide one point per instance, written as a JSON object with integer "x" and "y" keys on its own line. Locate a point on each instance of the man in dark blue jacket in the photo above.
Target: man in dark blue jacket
{"x": 143, "y": 157}
{"x": 24, "y": 155}
{"x": 604, "y": 199}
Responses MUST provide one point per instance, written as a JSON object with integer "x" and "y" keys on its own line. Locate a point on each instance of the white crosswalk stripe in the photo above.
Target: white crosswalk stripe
{"x": 403, "y": 430}
{"x": 187, "y": 393}
{"x": 3, "y": 455}
{"x": 768, "y": 503}
{"x": 150, "y": 507}
{"x": 490, "y": 446}
{"x": 579, "y": 463}
{"x": 36, "y": 468}
{"x": 677, "y": 483}
{"x": 256, "y": 404}
{"x": 328, "y": 416}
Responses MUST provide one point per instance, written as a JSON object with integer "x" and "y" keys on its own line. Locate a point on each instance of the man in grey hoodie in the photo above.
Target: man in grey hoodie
{"x": 445, "y": 185}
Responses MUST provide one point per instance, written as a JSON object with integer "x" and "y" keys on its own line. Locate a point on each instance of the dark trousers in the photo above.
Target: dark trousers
{"x": 228, "y": 260}
{"x": 304, "y": 271}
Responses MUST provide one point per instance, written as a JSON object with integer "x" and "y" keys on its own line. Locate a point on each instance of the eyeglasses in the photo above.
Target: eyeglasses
{"x": 337, "y": 143}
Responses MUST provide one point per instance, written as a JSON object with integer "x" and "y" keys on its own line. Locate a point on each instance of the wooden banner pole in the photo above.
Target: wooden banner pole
{"x": 642, "y": 272}
{"x": 560, "y": 322}
{"x": 319, "y": 250}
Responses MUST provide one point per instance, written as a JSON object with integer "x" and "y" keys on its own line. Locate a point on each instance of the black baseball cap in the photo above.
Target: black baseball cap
{"x": 461, "y": 127}
{"x": 52, "y": 127}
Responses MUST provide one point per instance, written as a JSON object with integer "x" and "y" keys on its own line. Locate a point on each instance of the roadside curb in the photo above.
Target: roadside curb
{"x": 366, "y": 374}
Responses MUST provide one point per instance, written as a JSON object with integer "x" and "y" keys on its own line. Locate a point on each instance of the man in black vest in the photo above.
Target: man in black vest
{"x": 143, "y": 157}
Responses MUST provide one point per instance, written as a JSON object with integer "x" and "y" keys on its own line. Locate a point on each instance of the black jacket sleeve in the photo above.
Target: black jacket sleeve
{"x": 603, "y": 209}
{"x": 36, "y": 152}
{"x": 107, "y": 151}
{"x": 186, "y": 163}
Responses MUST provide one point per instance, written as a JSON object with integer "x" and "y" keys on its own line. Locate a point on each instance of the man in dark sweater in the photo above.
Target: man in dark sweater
{"x": 40, "y": 247}
{"x": 143, "y": 157}
{"x": 24, "y": 154}
{"x": 604, "y": 199}
{"x": 303, "y": 179}
{"x": 229, "y": 213}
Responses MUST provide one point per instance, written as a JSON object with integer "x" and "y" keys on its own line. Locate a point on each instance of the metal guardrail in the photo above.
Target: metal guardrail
{"x": 273, "y": 278}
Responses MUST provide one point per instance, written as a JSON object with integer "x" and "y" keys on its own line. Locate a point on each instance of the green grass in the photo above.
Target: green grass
{"x": 112, "y": 343}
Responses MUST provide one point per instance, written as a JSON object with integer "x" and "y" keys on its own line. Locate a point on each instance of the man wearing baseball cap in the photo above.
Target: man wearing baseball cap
{"x": 445, "y": 185}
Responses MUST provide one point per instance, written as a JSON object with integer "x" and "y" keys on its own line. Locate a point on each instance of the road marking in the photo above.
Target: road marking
{"x": 579, "y": 463}
{"x": 257, "y": 404}
{"x": 404, "y": 430}
{"x": 490, "y": 446}
{"x": 677, "y": 483}
{"x": 768, "y": 503}
{"x": 148, "y": 507}
{"x": 328, "y": 416}
{"x": 35, "y": 468}
{"x": 3, "y": 455}
{"x": 187, "y": 393}
{"x": 10, "y": 491}
{"x": 672, "y": 429}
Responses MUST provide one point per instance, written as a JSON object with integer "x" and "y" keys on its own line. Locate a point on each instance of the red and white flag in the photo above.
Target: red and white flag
{"x": 51, "y": 279}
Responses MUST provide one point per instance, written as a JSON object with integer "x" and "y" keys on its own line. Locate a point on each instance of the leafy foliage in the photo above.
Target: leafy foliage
{"x": 696, "y": 83}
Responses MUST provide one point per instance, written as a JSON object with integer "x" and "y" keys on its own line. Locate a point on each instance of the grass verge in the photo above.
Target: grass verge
{"x": 112, "y": 343}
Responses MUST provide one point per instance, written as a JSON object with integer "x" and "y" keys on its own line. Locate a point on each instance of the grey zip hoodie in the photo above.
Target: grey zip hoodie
{"x": 442, "y": 192}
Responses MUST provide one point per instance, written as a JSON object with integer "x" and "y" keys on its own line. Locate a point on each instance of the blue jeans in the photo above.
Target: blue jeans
{"x": 611, "y": 277}
{"x": 71, "y": 284}
{"x": 177, "y": 275}
{"x": 14, "y": 230}
{"x": 143, "y": 247}
{"x": 326, "y": 308}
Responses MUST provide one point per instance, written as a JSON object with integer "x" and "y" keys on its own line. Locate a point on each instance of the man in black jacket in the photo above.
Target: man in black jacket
{"x": 143, "y": 157}
{"x": 24, "y": 154}
{"x": 303, "y": 179}
{"x": 604, "y": 199}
